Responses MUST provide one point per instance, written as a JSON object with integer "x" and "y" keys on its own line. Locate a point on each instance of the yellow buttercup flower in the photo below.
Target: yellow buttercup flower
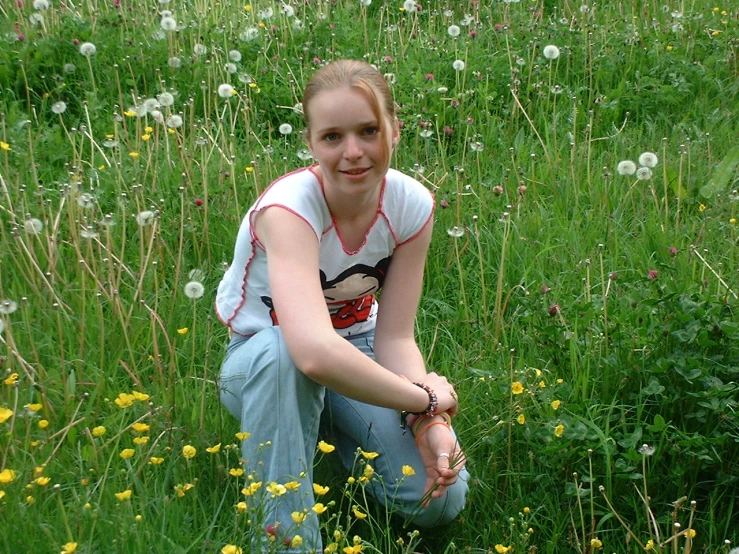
{"x": 145, "y": 137}
{"x": 325, "y": 447}
{"x": 124, "y": 400}
{"x": 236, "y": 472}
{"x": 596, "y": 543}
{"x": 7, "y": 476}
{"x": 134, "y": 154}
{"x": 43, "y": 423}
{"x": 690, "y": 533}
{"x": 98, "y": 431}
{"x": 319, "y": 508}
{"x": 516, "y": 388}
{"x": 408, "y": 471}
{"x": 140, "y": 427}
{"x": 140, "y": 396}
{"x": 243, "y": 436}
{"x": 127, "y": 453}
{"x": 559, "y": 430}
{"x": 42, "y": 481}
{"x": 230, "y": 549}
{"x": 357, "y": 513}
{"x": 183, "y": 331}
{"x": 11, "y": 379}
{"x": 275, "y": 489}
{"x": 292, "y": 485}
{"x": 556, "y": 404}
{"x": 369, "y": 455}
{"x": 649, "y": 545}
{"x": 298, "y": 517}
{"x": 140, "y": 440}
{"x": 189, "y": 451}
{"x": 213, "y": 449}
{"x": 129, "y": 113}
{"x": 252, "y": 489}
{"x": 155, "y": 461}
{"x": 5, "y": 146}
{"x": 500, "y": 549}
{"x": 521, "y": 419}
{"x": 5, "y": 414}
{"x": 319, "y": 490}
{"x": 241, "y": 507}
{"x": 34, "y": 407}
{"x": 124, "y": 495}
{"x": 296, "y": 542}
{"x": 69, "y": 548}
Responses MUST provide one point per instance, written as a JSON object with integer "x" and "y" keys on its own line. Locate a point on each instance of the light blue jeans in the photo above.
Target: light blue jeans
{"x": 283, "y": 410}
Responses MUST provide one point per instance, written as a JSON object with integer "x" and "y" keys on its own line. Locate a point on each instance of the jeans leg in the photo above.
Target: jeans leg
{"x": 281, "y": 408}
{"x": 352, "y": 424}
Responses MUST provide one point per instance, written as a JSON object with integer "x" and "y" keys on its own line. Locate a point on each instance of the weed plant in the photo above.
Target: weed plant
{"x": 581, "y": 288}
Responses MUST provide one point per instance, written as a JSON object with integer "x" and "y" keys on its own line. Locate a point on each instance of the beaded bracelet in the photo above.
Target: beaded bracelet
{"x": 430, "y": 411}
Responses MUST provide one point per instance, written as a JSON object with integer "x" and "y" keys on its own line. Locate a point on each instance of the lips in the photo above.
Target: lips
{"x": 356, "y": 171}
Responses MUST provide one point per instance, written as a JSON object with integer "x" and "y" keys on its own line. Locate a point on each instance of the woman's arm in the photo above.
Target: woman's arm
{"x": 315, "y": 347}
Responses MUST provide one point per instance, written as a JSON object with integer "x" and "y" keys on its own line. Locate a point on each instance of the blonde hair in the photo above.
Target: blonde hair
{"x": 358, "y": 75}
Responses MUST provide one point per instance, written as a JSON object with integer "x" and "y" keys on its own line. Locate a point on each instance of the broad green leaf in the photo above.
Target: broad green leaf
{"x": 721, "y": 174}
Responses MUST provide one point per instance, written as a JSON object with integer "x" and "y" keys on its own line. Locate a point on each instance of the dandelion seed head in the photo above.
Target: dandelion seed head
{"x": 200, "y": 49}
{"x": 194, "y": 290}
{"x": 174, "y": 62}
{"x": 86, "y": 201}
{"x": 8, "y": 306}
{"x": 174, "y": 121}
{"x": 249, "y": 34}
{"x": 145, "y": 218}
{"x": 304, "y": 154}
{"x": 59, "y": 107}
{"x": 455, "y": 231}
{"x": 410, "y": 6}
{"x": 458, "y": 65}
{"x": 453, "y": 30}
{"x": 230, "y": 67}
{"x": 551, "y": 52}
{"x": 40, "y": 5}
{"x": 33, "y": 226}
{"x": 69, "y": 67}
{"x": 644, "y": 173}
{"x": 234, "y": 56}
{"x": 266, "y": 13}
{"x": 287, "y": 10}
{"x": 225, "y": 90}
{"x": 168, "y": 23}
{"x": 648, "y": 159}
{"x": 626, "y": 167}
{"x": 88, "y": 233}
{"x": 646, "y": 450}
{"x": 365, "y": 3}
{"x": 36, "y": 19}
{"x": 88, "y": 49}
{"x": 285, "y": 129}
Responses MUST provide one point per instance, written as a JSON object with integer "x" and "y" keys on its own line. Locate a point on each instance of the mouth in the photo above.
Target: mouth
{"x": 355, "y": 173}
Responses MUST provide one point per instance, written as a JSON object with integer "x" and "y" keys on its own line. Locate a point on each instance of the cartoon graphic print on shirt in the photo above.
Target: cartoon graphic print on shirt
{"x": 350, "y": 295}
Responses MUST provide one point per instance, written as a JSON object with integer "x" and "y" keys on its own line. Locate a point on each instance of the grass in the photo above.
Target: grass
{"x": 583, "y": 313}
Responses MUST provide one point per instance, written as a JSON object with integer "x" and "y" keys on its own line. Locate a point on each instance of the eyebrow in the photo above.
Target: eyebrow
{"x": 363, "y": 124}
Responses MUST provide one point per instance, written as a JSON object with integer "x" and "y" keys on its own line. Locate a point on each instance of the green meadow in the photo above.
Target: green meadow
{"x": 581, "y": 290}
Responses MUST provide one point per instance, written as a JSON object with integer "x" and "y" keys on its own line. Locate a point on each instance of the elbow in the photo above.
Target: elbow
{"x": 313, "y": 360}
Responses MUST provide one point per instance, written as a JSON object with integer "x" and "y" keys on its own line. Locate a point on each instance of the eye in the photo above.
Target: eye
{"x": 371, "y": 131}
{"x": 330, "y": 137}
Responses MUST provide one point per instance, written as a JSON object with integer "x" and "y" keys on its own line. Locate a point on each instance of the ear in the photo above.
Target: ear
{"x": 306, "y": 138}
{"x": 395, "y": 132}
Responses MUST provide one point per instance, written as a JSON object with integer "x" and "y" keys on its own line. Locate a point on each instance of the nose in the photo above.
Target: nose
{"x": 352, "y": 148}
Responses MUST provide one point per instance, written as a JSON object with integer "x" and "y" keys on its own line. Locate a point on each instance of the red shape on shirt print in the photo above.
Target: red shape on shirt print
{"x": 353, "y": 312}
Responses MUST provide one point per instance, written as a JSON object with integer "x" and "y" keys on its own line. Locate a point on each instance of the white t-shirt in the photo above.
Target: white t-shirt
{"x": 349, "y": 280}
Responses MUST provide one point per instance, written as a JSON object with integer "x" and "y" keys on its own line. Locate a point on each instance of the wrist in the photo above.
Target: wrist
{"x": 432, "y": 406}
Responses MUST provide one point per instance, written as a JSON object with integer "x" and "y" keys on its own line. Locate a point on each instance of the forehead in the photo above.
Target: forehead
{"x": 340, "y": 107}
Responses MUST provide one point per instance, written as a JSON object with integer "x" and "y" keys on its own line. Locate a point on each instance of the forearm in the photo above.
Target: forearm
{"x": 341, "y": 367}
{"x": 401, "y": 356}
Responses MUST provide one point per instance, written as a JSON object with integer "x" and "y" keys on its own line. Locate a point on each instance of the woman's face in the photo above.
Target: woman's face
{"x": 351, "y": 146}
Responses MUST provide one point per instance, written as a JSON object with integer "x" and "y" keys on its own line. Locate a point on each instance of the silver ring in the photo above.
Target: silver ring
{"x": 442, "y": 455}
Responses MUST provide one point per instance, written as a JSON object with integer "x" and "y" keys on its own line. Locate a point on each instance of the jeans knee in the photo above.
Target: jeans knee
{"x": 443, "y": 510}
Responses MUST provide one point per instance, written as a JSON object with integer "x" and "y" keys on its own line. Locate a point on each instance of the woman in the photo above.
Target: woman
{"x": 310, "y": 341}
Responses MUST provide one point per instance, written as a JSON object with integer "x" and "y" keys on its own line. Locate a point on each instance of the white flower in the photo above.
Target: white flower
{"x": 298, "y": 25}
{"x": 390, "y": 78}
{"x": 8, "y": 306}
{"x": 304, "y": 154}
{"x": 551, "y": 52}
{"x": 467, "y": 20}
{"x": 225, "y": 90}
{"x": 442, "y": 90}
{"x": 286, "y": 129}
{"x": 266, "y": 13}
{"x": 163, "y": 2}
{"x": 626, "y": 167}
{"x": 288, "y": 10}
{"x": 454, "y": 30}
{"x": 145, "y": 218}
{"x": 234, "y": 56}
{"x": 643, "y": 173}
{"x": 88, "y": 232}
{"x": 88, "y": 49}
{"x": 365, "y": 3}
{"x": 245, "y": 78}
{"x": 36, "y": 18}
{"x": 476, "y": 146}
{"x": 426, "y": 133}
{"x": 33, "y": 226}
{"x": 194, "y": 289}
{"x": 69, "y": 67}
{"x": 200, "y": 49}
{"x": 174, "y": 62}
{"x": 165, "y": 99}
{"x": 110, "y": 143}
{"x": 410, "y": 6}
{"x": 249, "y": 34}
{"x": 40, "y": 5}
{"x": 455, "y": 232}
{"x": 230, "y": 67}
{"x": 168, "y": 23}
{"x": 157, "y": 116}
{"x": 150, "y": 104}
{"x": 174, "y": 121}
{"x": 458, "y": 65}
{"x": 646, "y": 450}
{"x": 59, "y": 107}
{"x": 648, "y": 159}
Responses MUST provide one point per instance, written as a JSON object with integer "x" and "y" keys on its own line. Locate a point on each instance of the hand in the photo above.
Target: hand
{"x": 442, "y": 458}
{"x": 445, "y": 394}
